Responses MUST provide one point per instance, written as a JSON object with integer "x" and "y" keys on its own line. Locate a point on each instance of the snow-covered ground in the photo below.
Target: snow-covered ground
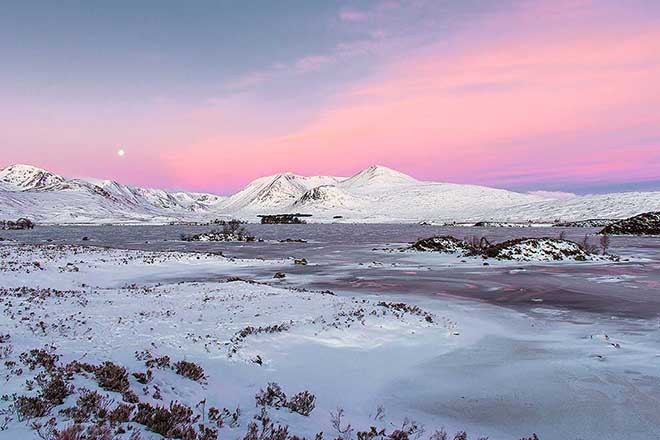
{"x": 374, "y": 195}
{"x": 438, "y": 361}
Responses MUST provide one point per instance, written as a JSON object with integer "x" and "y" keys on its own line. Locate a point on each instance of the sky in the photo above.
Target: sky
{"x": 556, "y": 95}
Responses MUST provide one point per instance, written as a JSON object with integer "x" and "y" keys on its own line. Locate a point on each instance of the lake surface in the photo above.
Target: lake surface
{"x": 347, "y": 258}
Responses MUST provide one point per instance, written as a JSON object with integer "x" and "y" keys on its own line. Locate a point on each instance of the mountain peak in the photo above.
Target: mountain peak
{"x": 22, "y": 168}
{"x": 28, "y": 177}
{"x": 377, "y": 167}
{"x": 377, "y": 175}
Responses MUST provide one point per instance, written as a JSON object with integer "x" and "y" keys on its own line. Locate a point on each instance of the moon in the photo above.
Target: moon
{"x": 121, "y": 152}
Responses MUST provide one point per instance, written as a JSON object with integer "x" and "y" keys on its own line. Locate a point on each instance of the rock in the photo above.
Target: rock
{"x": 445, "y": 244}
{"x": 293, "y": 240}
{"x": 642, "y": 224}
{"x": 537, "y": 249}
{"x": 283, "y": 219}
{"x": 300, "y": 261}
{"x": 218, "y": 236}
{"x": 485, "y": 224}
{"x": 279, "y": 275}
{"x": 589, "y": 223}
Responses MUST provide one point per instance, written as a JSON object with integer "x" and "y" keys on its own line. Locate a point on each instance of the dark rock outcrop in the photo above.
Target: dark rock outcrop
{"x": 285, "y": 219}
{"x": 21, "y": 223}
{"x": 588, "y": 223}
{"x": 445, "y": 244}
{"x": 642, "y": 224}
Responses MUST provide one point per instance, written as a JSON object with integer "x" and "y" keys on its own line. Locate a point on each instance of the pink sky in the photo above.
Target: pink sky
{"x": 532, "y": 104}
{"x": 553, "y": 95}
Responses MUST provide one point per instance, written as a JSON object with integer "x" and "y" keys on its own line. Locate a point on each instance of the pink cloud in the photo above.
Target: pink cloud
{"x": 577, "y": 103}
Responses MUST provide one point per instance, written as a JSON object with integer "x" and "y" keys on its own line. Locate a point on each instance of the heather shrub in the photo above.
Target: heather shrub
{"x": 30, "y": 407}
{"x": 40, "y": 357}
{"x": 190, "y": 370}
{"x": 302, "y": 403}
{"x": 121, "y": 413}
{"x": 272, "y": 396}
{"x": 224, "y": 417}
{"x": 604, "y": 243}
{"x": 143, "y": 378}
{"x": 89, "y": 405}
{"x": 174, "y": 422}
{"x": 112, "y": 377}
{"x": 265, "y": 429}
{"x": 55, "y": 390}
{"x": 159, "y": 362}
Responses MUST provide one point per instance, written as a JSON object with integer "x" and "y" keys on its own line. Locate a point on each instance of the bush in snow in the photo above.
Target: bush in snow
{"x": 143, "y": 378}
{"x": 80, "y": 432}
{"x": 40, "y": 357}
{"x": 177, "y": 421}
{"x": 232, "y": 230}
{"x": 90, "y": 405}
{"x": 54, "y": 390}
{"x": 272, "y": 396}
{"x": 30, "y": 407}
{"x": 262, "y": 428}
{"x": 587, "y": 246}
{"x": 224, "y": 417}
{"x": 112, "y": 377}
{"x": 302, "y": 403}
{"x": 604, "y": 243}
{"x": 190, "y": 370}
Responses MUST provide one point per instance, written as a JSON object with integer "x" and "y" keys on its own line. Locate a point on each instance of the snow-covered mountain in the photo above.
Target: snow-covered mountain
{"x": 377, "y": 177}
{"x": 376, "y": 194}
{"x": 47, "y": 197}
{"x": 328, "y": 197}
{"x": 26, "y": 177}
{"x": 277, "y": 191}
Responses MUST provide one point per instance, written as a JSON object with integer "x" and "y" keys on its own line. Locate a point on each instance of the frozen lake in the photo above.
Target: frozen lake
{"x": 349, "y": 258}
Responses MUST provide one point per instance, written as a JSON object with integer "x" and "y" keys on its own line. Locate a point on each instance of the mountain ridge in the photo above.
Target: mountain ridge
{"x": 375, "y": 194}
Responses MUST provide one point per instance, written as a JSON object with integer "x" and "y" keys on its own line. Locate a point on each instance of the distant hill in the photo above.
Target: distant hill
{"x": 376, "y": 194}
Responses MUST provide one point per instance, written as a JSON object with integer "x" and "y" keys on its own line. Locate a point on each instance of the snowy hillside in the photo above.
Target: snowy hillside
{"x": 328, "y": 197}
{"x": 380, "y": 194}
{"x": 376, "y": 194}
{"x": 278, "y": 191}
{"x": 600, "y": 206}
{"x": 49, "y": 198}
